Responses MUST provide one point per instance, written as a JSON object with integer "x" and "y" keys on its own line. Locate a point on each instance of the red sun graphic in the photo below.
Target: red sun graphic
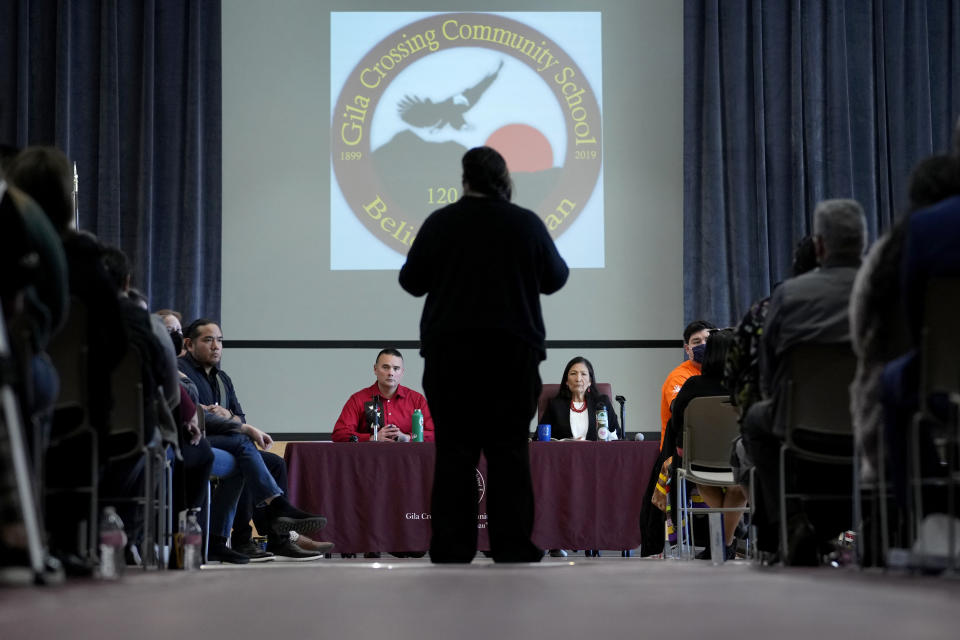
{"x": 524, "y": 148}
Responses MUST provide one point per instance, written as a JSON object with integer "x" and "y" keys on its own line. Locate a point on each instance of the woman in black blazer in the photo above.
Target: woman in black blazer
{"x": 573, "y": 413}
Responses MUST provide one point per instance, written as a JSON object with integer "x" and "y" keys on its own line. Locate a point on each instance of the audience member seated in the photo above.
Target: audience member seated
{"x": 124, "y": 478}
{"x": 931, "y": 249}
{"x": 146, "y": 332}
{"x": 228, "y": 430}
{"x": 710, "y": 382}
{"x": 694, "y": 343}
{"x": 878, "y": 319}
{"x": 385, "y": 402}
{"x": 572, "y": 414}
{"x": 44, "y": 173}
{"x": 742, "y": 368}
{"x": 172, "y": 321}
{"x": 33, "y": 292}
{"x": 812, "y": 308}
{"x": 37, "y": 273}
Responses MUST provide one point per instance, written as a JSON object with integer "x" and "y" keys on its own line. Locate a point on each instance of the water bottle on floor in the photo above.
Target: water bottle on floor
{"x": 192, "y": 543}
{"x": 113, "y": 539}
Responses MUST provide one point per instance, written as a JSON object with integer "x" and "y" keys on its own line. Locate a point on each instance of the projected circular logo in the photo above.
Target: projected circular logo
{"x": 430, "y": 90}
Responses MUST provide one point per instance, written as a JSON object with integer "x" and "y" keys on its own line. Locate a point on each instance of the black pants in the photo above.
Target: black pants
{"x": 462, "y": 430}
{"x": 242, "y": 531}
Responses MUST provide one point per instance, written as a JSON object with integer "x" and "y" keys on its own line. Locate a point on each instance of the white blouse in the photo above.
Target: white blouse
{"x": 578, "y": 424}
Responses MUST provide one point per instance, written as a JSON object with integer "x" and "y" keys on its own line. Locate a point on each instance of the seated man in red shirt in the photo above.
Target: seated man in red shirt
{"x": 386, "y": 403}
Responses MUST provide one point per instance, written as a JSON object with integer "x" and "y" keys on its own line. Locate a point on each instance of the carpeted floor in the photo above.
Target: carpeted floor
{"x": 581, "y": 598}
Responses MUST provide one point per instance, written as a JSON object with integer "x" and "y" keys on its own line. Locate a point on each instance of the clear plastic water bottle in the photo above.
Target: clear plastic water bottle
{"x": 192, "y": 543}
{"x": 113, "y": 539}
{"x": 417, "y": 427}
{"x": 603, "y": 431}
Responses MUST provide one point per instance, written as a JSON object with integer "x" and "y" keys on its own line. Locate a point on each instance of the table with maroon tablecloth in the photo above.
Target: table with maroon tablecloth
{"x": 376, "y": 495}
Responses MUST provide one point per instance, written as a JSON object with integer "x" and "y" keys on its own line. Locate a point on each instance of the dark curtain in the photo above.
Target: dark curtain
{"x": 130, "y": 91}
{"x": 787, "y": 103}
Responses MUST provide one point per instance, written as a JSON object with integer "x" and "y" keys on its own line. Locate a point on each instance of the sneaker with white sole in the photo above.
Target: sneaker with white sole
{"x": 290, "y": 552}
{"x": 253, "y": 551}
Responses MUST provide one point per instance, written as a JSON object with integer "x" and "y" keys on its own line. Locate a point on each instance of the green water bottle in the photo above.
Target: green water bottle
{"x": 417, "y": 427}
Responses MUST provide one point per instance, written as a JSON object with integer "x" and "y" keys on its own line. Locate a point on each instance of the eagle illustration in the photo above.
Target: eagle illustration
{"x": 427, "y": 113}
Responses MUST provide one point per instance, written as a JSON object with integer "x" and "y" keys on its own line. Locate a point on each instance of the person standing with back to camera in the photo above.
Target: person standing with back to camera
{"x": 482, "y": 263}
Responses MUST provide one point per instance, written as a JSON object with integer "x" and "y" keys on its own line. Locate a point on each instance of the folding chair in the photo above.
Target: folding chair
{"x": 69, "y": 352}
{"x": 939, "y": 377}
{"x": 16, "y": 461}
{"x": 816, "y": 415}
{"x": 710, "y": 424}
{"x": 127, "y": 439}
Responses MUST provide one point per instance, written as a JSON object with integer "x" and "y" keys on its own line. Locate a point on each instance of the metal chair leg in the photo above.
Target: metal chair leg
{"x": 783, "y": 507}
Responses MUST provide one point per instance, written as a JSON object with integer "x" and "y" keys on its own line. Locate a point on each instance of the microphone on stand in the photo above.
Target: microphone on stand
{"x": 623, "y": 421}
{"x": 76, "y": 198}
{"x": 375, "y": 426}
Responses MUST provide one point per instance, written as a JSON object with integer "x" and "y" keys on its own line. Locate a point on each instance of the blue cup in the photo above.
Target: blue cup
{"x": 543, "y": 432}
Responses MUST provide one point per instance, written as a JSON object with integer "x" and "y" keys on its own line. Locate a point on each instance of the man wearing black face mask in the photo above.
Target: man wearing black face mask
{"x": 694, "y": 344}
{"x": 172, "y": 321}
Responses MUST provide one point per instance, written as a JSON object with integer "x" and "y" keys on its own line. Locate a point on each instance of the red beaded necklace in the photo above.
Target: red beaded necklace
{"x": 575, "y": 410}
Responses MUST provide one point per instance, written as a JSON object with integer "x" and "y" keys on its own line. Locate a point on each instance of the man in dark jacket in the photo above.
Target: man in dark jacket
{"x": 227, "y": 429}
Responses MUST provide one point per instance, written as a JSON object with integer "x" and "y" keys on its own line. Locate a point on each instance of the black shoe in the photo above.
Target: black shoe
{"x": 289, "y": 552}
{"x": 223, "y": 553}
{"x": 802, "y": 547}
{"x": 76, "y": 567}
{"x": 372, "y": 555}
{"x": 284, "y": 518}
{"x": 730, "y": 552}
{"x": 253, "y": 551}
{"x": 558, "y": 553}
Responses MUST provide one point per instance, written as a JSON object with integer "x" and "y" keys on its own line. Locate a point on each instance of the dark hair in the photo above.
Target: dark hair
{"x": 7, "y": 154}
{"x": 390, "y": 351}
{"x": 45, "y": 175}
{"x": 193, "y": 330}
{"x": 804, "y": 256}
{"x": 564, "y": 391}
{"x": 485, "y": 171}
{"x": 715, "y": 355}
{"x": 136, "y": 296}
{"x": 934, "y": 179}
{"x": 695, "y": 327}
{"x": 115, "y": 263}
